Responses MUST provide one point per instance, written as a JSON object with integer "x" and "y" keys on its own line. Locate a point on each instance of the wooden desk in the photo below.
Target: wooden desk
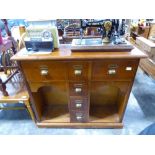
{"x": 79, "y": 89}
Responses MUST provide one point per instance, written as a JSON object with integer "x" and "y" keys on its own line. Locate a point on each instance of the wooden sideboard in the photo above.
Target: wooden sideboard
{"x": 79, "y": 89}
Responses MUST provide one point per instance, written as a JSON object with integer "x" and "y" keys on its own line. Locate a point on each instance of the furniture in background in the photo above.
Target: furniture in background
{"x": 147, "y": 47}
{"x": 17, "y": 94}
{"x": 79, "y": 89}
{"x": 10, "y": 68}
{"x": 12, "y": 89}
{"x": 8, "y": 48}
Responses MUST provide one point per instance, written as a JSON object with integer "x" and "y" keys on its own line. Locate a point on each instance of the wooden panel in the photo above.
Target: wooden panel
{"x": 56, "y": 114}
{"x": 106, "y": 93}
{"x": 51, "y": 93}
{"x": 56, "y": 71}
{"x": 80, "y": 125}
{"x": 78, "y": 70}
{"x": 38, "y": 104}
{"x": 114, "y": 69}
{"x": 104, "y": 114}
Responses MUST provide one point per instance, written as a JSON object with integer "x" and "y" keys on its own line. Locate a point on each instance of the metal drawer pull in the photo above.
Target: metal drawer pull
{"x": 78, "y": 72}
{"x": 128, "y": 69}
{"x": 78, "y": 117}
{"x": 78, "y": 90}
{"x": 44, "y": 72}
{"x": 112, "y": 71}
{"x": 78, "y": 105}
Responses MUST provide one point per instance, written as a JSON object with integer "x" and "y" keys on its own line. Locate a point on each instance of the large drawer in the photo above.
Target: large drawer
{"x": 44, "y": 71}
{"x": 114, "y": 69}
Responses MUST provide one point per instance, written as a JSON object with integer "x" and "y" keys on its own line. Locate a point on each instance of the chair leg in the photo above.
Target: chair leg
{"x": 4, "y": 62}
{"x": 3, "y": 88}
{"x": 27, "y": 103}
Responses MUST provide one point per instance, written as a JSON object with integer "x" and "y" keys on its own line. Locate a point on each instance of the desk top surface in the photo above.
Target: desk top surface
{"x": 64, "y": 53}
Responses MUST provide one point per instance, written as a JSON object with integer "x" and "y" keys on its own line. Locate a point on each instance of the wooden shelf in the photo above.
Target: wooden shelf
{"x": 56, "y": 113}
{"x": 106, "y": 113}
{"x": 98, "y": 114}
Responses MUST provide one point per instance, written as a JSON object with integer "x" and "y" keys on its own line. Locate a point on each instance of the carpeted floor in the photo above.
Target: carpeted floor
{"x": 139, "y": 114}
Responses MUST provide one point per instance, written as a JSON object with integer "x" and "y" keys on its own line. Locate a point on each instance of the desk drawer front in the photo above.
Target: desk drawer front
{"x": 79, "y": 116}
{"x": 79, "y": 103}
{"x": 43, "y": 71}
{"x": 78, "y": 70}
{"x": 114, "y": 69}
{"x": 78, "y": 89}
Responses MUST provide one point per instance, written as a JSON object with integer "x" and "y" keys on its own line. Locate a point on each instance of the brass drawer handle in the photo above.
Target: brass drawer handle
{"x": 128, "y": 68}
{"x": 44, "y": 72}
{"x": 78, "y": 103}
{"x": 79, "y": 118}
{"x": 78, "y": 72}
{"x": 112, "y": 71}
{"x": 78, "y": 90}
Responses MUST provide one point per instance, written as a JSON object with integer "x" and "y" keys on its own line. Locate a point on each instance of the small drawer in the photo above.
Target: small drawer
{"x": 78, "y": 89}
{"x": 44, "y": 71}
{"x": 114, "y": 69}
{"x": 79, "y": 103}
{"x": 78, "y": 70}
{"x": 79, "y": 116}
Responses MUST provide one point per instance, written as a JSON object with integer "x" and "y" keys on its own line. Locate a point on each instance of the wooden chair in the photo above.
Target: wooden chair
{"x": 17, "y": 93}
{"x": 12, "y": 89}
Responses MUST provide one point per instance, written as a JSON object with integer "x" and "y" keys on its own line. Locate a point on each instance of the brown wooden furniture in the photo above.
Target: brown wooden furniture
{"x": 6, "y": 52}
{"x": 148, "y": 66}
{"x": 7, "y": 48}
{"x": 79, "y": 89}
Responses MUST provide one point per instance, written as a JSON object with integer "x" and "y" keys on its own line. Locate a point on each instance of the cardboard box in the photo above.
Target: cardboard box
{"x": 144, "y": 32}
{"x": 152, "y": 30}
{"x": 147, "y": 46}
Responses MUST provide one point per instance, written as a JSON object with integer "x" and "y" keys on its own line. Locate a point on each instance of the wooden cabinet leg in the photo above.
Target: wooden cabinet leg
{"x": 27, "y": 103}
{"x": 3, "y": 88}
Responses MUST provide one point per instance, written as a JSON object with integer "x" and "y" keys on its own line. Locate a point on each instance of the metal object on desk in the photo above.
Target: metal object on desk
{"x": 112, "y": 32}
{"x": 107, "y": 27}
{"x": 96, "y": 44}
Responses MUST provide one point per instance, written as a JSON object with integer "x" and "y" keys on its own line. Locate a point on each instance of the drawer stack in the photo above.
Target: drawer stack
{"x": 78, "y": 91}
